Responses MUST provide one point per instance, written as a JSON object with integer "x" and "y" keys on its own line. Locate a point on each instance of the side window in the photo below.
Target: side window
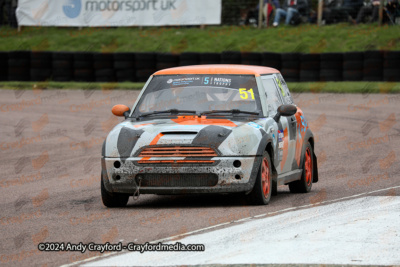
{"x": 287, "y": 97}
{"x": 274, "y": 99}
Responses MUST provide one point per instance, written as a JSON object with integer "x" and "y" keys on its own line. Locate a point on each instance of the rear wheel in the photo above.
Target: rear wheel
{"x": 113, "y": 200}
{"x": 262, "y": 190}
{"x": 305, "y": 183}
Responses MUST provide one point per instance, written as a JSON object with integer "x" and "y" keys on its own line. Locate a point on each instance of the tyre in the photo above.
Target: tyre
{"x": 290, "y": 57}
{"x": 276, "y": 64}
{"x": 63, "y": 56}
{"x": 126, "y": 75}
{"x": 391, "y": 64}
{"x": 392, "y": 55}
{"x": 41, "y": 64}
{"x": 353, "y": 56}
{"x": 105, "y": 75}
{"x": 19, "y": 55}
{"x": 3, "y": 57}
{"x": 309, "y": 66}
{"x": 124, "y": 56}
{"x": 353, "y": 75}
{"x": 61, "y": 72}
{"x": 373, "y": 78}
{"x": 16, "y": 77}
{"x": 18, "y": 62}
{"x": 42, "y": 56}
{"x": 83, "y": 65}
{"x": 391, "y": 75}
{"x": 231, "y": 57}
{"x": 262, "y": 190}
{"x": 3, "y": 73}
{"x": 290, "y": 64}
{"x": 188, "y": 62}
{"x": 309, "y": 75}
{"x": 330, "y": 75}
{"x": 331, "y": 57}
{"x": 122, "y": 65}
{"x": 145, "y": 65}
{"x": 103, "y": 57}
{"x": 375, "y": 55}
{"x": 331, "y": 65}
{"x": 164, "y": 65}
{"x": 145, "y": 60}
{"x": 83, "y": 56}
{"x": 189, "y": 56}
{"x": 252, "y": 62}
{"x": 113, "y": 200}
{"x": 98, "y": 65}
{"x": 40, "y": 74}
{"x": 167, "y": 58}
{"x": 84, "y": 75}
{"x": 251, "y": 58}
{"x": 63, "y": 64}
{"x": 269, "y": 56}
{"x": 291, "y": 75}
{"x": 62, "y": 78}
{"x": 304, "y": 185}
{"x": 353, "y": 65}
{"x": 143, "y": 75}
{"x": 309, "y": 57}
{"x": 373, "y": 70}
{"x": 210, "y": 58}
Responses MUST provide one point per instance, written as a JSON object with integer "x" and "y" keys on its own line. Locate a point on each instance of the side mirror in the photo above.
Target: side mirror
{"x": 121, "y": 111}
{"x": 285, "y": 110}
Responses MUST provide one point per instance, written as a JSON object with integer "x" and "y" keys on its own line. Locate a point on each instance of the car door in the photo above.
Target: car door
{"x": 287, "y": 99}
{"x": 286, "y": 135}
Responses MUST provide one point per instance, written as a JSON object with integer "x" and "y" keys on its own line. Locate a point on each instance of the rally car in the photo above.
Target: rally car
{"x": 209, "y": 129}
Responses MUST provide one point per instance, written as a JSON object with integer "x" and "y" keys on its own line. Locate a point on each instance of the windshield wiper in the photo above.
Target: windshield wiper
{"x": 233, "y": 111}
{"x": 172, "y": 111}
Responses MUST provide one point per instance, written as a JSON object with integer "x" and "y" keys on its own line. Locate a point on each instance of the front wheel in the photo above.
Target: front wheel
{"x": 262, "y": 190}
{"x": 113, "y": 200}
{"x": 305, "y": 183}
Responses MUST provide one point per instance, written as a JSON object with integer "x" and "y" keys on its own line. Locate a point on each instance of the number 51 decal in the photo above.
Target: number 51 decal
{"x": 244, "y": 93}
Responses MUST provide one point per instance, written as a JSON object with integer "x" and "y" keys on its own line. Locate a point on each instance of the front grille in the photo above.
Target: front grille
{"x": 178, "y": 151}
{"x": 178, "y": 180}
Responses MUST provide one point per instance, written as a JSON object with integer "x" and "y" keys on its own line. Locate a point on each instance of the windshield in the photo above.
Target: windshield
{"x": 200, "y": 93}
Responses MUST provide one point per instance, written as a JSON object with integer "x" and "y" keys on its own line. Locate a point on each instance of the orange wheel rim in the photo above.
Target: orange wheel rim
{"x": 265, "y": 177}
{"x": 308, "y": 167}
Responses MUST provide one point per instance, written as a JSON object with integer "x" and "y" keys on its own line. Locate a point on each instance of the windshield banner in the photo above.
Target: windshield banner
{"x": 109, "y": 13}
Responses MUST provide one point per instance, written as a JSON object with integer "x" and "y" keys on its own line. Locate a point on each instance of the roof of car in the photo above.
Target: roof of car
{"x": 218, "y": 69}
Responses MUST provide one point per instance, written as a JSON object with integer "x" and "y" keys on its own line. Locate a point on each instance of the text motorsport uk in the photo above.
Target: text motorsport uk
{"x": 132, "y": 5}
{"x": 107, "y": 247}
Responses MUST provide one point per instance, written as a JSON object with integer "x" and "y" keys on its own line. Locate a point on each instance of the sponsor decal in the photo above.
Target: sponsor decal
{"x": 254, "y": 125}
{"x": 222, "y": 81}
{"x": 72, "y": 8}
{"x": 183, "y": 81}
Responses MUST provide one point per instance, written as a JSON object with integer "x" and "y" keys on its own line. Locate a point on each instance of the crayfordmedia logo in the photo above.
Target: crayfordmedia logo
{"x": 72, "y": 8}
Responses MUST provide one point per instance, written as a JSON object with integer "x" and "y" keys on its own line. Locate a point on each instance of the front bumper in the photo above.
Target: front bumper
{"x": 180, "y": 178}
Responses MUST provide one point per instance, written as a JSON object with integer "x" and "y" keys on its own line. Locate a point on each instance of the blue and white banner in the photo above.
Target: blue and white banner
{"x": 111, "y": 13}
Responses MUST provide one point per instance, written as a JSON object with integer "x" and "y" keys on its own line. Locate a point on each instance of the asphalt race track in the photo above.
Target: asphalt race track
{"x": 50, "y": 149}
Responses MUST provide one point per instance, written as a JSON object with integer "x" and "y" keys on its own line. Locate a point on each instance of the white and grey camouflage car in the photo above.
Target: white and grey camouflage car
{"x": 209, "y": 129}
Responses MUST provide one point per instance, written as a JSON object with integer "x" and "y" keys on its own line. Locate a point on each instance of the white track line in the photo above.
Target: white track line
{"x": 232, "y": 222}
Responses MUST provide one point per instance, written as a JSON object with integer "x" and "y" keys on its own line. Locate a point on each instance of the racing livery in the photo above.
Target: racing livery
{"x": 209, "y": 129}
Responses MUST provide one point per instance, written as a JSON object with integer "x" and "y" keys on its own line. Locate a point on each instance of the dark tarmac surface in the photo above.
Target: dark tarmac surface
{"x": 50, "y": 150}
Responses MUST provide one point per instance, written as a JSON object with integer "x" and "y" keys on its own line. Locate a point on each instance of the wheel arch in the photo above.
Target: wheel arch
{"x": 270, "y": 150}
{"x": 309, "y": 137}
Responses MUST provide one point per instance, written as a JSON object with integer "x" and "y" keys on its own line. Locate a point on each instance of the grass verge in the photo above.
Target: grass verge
{"x": 309, "y": 87}
{"x": 307, "y": 38}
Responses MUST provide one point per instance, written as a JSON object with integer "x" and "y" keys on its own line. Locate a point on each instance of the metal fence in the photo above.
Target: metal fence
{"x": 120, "y": 67}
{"x": 236, "y": 12}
